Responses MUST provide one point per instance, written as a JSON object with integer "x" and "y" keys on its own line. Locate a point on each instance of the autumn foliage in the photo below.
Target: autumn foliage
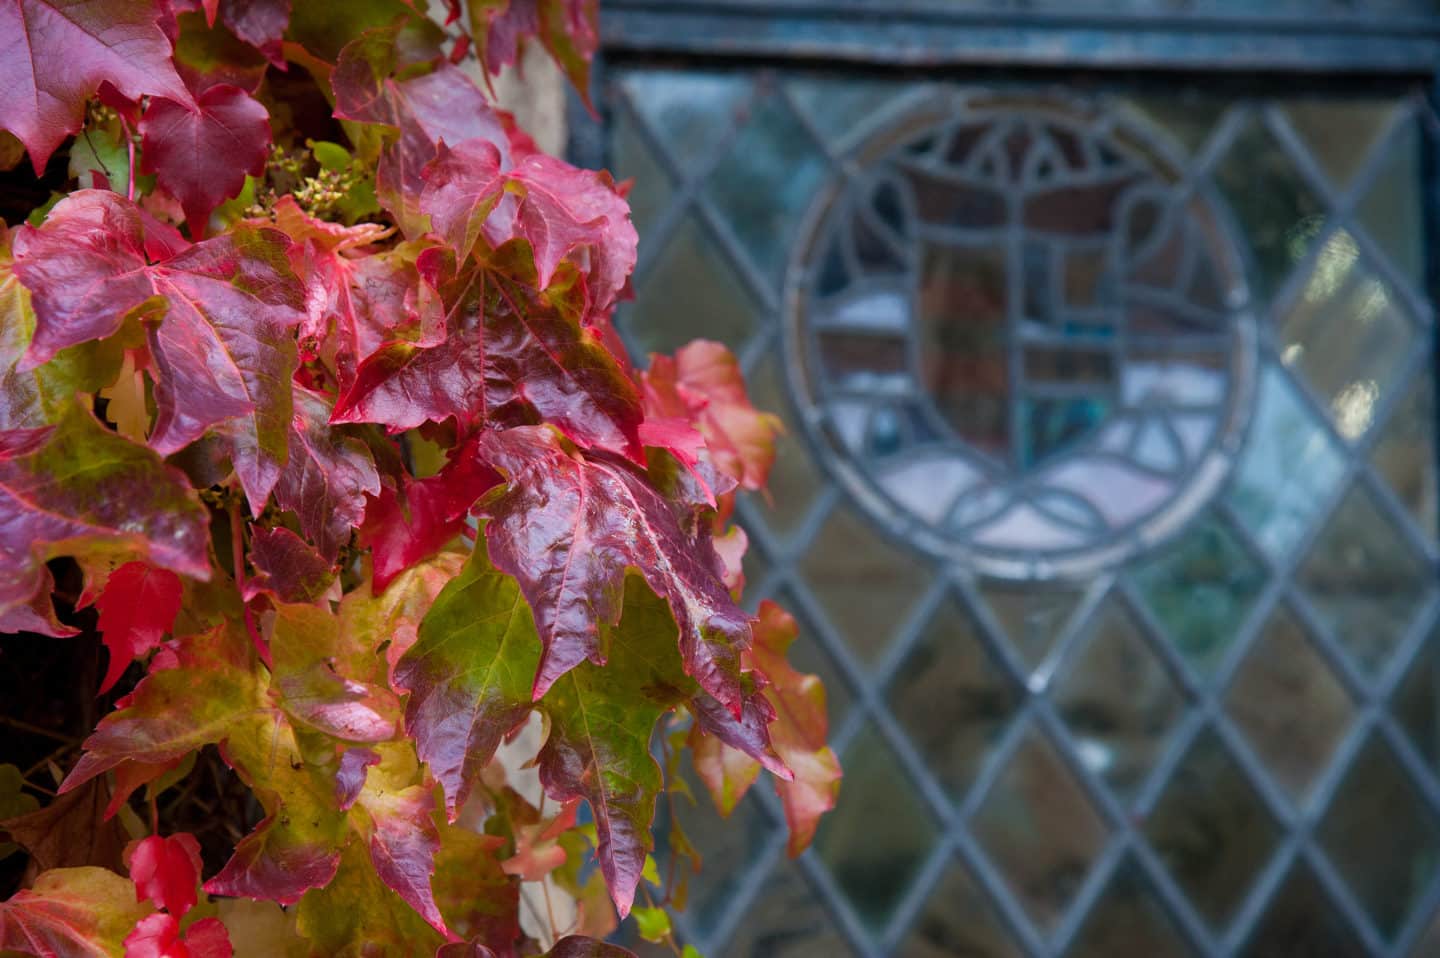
{"x": 308, "y": 377}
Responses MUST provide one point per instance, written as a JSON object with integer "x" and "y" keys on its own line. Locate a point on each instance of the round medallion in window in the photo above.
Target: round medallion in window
{"x": 1019, "y": 335}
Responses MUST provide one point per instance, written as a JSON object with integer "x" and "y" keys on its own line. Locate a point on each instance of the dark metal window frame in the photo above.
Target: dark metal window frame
{"x": 905, "y": 35}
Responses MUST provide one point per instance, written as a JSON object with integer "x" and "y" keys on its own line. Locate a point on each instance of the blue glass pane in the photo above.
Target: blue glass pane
{"x": 1288, "y": 471}
{"x": 765, "y": 182}
{"x": 1201, "y": 588}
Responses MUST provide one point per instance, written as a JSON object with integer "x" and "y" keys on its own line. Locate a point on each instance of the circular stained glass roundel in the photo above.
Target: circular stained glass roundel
{"x": 1019, "y": 335}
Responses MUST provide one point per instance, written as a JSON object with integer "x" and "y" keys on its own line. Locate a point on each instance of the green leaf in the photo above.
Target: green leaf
{"x": 470, "y": 674}
{"x": 652, "y": 923}
{"x": 355, "y": 915}
{"x": 13, "y": 802}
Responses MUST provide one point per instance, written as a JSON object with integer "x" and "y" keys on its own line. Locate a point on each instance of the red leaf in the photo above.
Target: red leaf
{"x": 208, "y": 938}
{"x": 440, "y": 106}
{"x": 271, "y": 863}
{"x": 568, "y": 527}
{"x": 167, "y": 871}
{"x": 203, "y": 155}
{"x": 219, "y": 318}
{"x": 136, "y": 609}
{"x": 569, "y": 29}
{"x": 158, "y": 936}
{"x": 703, "y": 384}
{"x": 54, "y": 54}
{"x": 287, "y": 567}
{"x": 559, "y": 210}
{"x": 327, "y": 477}
{"x": 433, "y": 512}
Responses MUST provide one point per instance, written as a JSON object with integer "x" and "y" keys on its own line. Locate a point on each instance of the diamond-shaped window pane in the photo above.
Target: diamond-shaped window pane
{"x": 1201, "y": 589}
{"x": 867, "y": 586}
{"x": 1118, "y": 699}
{"x": 786, "y": 921}
{"x": 728, "y": 850}
{"x": 953, "y": 698}
{"x": 1292, "y": 709}
{"x": 1382, "y": 837}
{"x": 766, "y": 181}
{"x": 688, "y": 270}
{"x": 1341, "y": 134}
{"x": 958, "y": 919}
{"x": 1038, "y": 827}
{"x": 1211, "y": 830}
{"x": 1405, "y": 456}
{"x": 876, "y": 840}
{"x": 691, "y": 113}
{"x": 795, "y": 479}
{"x": 633, "y": 160}
{"x": 1416, "y": 703}
{"x": 1346, "y": 333}
{"x": 1301, "y": 920}
{"x": 1393, "y": 211}
{"x": 1288, "y": 471}
{"x": 1032, "y": 616}
{"x": 1129, "y": 920}
{"x": 1364, "y": 579}
{"x": 1279, "y": 211}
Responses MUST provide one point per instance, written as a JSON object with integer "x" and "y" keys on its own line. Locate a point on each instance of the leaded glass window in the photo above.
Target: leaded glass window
{"x": 1109, "y": 498}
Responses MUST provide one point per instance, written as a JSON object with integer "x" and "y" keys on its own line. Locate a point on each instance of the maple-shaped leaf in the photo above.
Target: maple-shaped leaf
{"x": 326, "y": 477}
{"x": 202, "y": 153}
{"x": 159, "y": 936}
{"x": 569, "y": 29}
{"x": 507, "y": 353}
{"x": 136, "y": 609}
{"x": 208, "y": 689}
{"x": 54, "y": 54}
{"x": 703, "y": 384}
{"x": 601, "y": 722}
{"x": 77, "y": 487}
{"x": 199, "y": 690}
{"x": 75, "y": 912}
{"x": 798, "y": 734}
{"x": 260, "y": 23}
{"x": 469, "y": 674}
{"x": 441, "y": 106}
{"x": 568, "y": 527}
{"x": 559, "y": 210}
{"x": 287, "y": 567}
{"x": 167, "y": 871}
{"x": 219, "y": 317}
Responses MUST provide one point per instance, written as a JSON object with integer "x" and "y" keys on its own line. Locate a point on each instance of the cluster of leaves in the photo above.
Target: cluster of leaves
{"x": 362, "y": 484}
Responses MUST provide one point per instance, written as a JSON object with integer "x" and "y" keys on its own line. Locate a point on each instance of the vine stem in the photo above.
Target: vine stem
{"x": 237, "y": 556}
